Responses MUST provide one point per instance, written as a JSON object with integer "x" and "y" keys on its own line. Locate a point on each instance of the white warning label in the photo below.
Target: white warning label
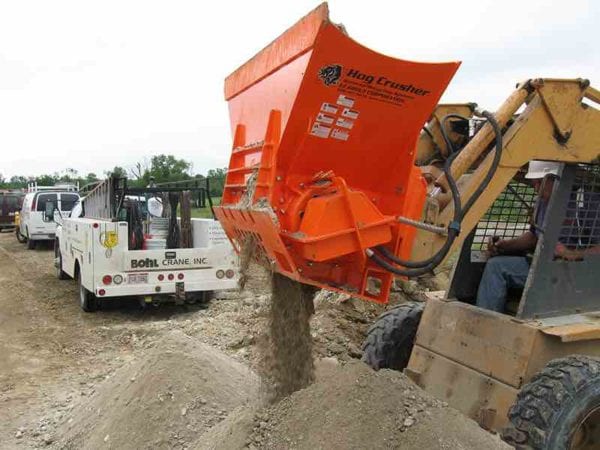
{"x": 340, "y": 134}
{"x": 345, "y": 101}
{"x": 324, "y": 118}
{"x": 350, "y": 113}
{"x": 329, "y": 108}
{"x": 320, "y": 130}
{"x": 344, "y": 123}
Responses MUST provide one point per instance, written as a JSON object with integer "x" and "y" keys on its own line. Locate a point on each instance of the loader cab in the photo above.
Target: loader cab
{"x": 554, "y": 287}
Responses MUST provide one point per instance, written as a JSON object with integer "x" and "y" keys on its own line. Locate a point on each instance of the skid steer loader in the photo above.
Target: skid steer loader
{"x": 336, "y": 183}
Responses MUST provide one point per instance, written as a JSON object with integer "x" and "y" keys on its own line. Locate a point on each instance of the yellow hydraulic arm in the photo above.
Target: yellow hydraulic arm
{"x": 560, "y": 122}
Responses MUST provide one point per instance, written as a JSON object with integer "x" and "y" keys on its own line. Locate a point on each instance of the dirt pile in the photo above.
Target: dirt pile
{"x": 179, "y": 389}
{"x": 352, "y": 407}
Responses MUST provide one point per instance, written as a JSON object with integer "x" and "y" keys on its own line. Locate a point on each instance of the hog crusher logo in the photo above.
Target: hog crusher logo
{"x": 330, "y": 75}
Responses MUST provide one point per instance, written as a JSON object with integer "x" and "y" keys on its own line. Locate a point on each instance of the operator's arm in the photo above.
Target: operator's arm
{"x": 522, "y": 244}
{"x": 561, "y": 251}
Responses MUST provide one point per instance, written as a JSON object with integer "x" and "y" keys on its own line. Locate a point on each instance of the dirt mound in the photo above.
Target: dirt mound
{"x": 178, "y": 390}
{"x": 352, "y": 407}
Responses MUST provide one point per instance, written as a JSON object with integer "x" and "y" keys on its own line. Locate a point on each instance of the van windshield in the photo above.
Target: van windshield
{"x": 43, "y": 199}
{"x": 67, "y": 201}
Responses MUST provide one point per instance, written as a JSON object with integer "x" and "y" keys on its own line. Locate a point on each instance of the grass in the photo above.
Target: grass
{"x": 205, "y": 213}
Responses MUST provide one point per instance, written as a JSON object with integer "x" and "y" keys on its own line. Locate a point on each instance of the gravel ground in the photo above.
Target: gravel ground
{"x": 53, "y": 356}
{"x": 63, "y": 371}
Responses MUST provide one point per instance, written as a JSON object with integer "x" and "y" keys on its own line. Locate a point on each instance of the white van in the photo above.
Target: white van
{"x": 36, "y": 222}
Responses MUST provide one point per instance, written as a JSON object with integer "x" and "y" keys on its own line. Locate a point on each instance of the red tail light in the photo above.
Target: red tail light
{"x": 107, "y": 279}
{"x": 229, "y": 273}
{"x": 180, "y": 276}
{"x": 101, "y": 292}
{"x": 161, "y": 277}
{"x": 171, "y": 276}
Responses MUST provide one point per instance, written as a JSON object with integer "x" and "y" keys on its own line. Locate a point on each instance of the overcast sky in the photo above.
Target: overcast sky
{"x": 90, "y": 85}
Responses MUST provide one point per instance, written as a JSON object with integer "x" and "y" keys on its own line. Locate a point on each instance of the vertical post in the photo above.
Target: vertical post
{"x": 209, "y": 198}
{"x": 186, "y": 220}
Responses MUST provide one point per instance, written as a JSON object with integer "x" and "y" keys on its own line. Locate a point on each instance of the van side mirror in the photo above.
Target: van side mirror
{"x": 49, "y": 211}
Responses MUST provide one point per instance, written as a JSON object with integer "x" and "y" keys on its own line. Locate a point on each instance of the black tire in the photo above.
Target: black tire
{"x": 87, "y": 300}
{"x": 21, "y": 238}
{"x": 60, "y": 273}
{"x": 390, "y": 339}
{"x": 559, "y": 408}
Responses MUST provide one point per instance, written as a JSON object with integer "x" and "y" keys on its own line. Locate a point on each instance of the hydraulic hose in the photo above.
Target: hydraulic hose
{"x": 425, "y": 266}
{"x": 453, "y": 228}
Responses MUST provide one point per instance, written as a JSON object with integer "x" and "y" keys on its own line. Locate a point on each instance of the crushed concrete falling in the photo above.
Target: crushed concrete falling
{"x": 288, "y": 361}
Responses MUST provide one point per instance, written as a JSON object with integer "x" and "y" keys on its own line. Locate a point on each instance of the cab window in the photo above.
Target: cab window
{"x": 67, "y": 201}
{"x": 43, "y": 199}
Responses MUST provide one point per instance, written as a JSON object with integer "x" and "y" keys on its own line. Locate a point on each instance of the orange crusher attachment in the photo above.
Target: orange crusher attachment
{"x": 324, "y": 137}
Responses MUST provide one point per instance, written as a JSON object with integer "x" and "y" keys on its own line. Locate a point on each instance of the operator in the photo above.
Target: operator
{"x": 508, "y": 265}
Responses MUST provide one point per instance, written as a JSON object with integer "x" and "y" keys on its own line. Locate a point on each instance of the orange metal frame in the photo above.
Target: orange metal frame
{"x": 325, "y": 133}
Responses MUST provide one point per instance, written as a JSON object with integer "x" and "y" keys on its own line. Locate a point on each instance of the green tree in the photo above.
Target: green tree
{"x": 17, "y": 182}
{"x": 90, "y": 178}
{"x": 117, "y": 171}
{"x": 166, "y": 168}
{"x": 216, "y": 180}
{"x": 68, "y": 175}
{"x": 46, "y": 180}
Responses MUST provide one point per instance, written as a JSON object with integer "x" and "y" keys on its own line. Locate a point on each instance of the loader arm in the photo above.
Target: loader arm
{"x": 559, "y": 123}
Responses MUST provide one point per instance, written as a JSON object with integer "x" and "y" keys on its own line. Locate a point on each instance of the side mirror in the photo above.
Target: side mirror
{"x": 49, "y": 212}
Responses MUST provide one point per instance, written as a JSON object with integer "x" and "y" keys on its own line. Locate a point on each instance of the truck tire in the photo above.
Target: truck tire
{"x": 390, "y": 339}
{"x": 60, "y": 273}
{"x": 22, "y": 239}
{"x": 87, "y": 300}
{"x": 559, "y": 408}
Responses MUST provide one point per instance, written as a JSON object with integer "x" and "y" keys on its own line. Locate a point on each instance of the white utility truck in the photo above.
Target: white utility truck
{"x": 119, "y": 245}
{"x": 38, "y": 205}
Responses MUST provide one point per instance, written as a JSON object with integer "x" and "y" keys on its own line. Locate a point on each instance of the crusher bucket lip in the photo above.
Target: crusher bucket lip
{"x": 290, "y": 44}
{"x": 324, "y": 137}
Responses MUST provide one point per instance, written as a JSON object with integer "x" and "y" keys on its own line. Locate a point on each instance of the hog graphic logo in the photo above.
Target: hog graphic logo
{"x": 330, "y": 75}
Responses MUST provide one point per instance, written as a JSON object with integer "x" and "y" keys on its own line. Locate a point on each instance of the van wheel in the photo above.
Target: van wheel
{"x": 60, "y": 273}
{"x": 87, "y": 300}
{"x": 390, "y": 340}
{"x": 559, "y": 408}
{"x": 22, "y": 239}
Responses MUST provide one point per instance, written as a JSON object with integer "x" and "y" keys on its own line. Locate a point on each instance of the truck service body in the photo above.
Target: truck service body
{"x": 97, "y": 251}
{"x": 120, "y": 248}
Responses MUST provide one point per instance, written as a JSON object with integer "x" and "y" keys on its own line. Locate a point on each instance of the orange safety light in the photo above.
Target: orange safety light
{"x": 324, "y": 137}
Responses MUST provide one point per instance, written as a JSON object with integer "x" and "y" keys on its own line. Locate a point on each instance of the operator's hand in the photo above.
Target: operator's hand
{"x": 494, "y": 246}
{"x": 561, "y": 251}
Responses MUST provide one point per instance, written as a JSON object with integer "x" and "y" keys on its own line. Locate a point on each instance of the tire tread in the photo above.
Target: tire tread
{"x": 390, "y": 339}
{"x": 538, "y": 405}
